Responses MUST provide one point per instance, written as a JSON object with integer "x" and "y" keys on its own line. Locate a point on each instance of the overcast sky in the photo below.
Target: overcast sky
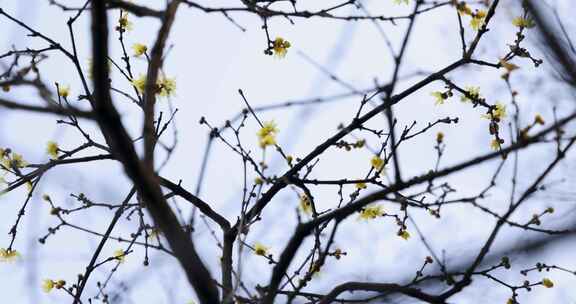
{"x": 211, "y": 59}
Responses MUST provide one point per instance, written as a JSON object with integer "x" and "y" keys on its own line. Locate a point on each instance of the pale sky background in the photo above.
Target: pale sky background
{"x": 211, "y": 59}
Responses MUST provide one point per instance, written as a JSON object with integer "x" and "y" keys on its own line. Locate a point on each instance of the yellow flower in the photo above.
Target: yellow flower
{"x": 268, "y": 140}
{"x": 361, "y": 185}
{"x": 510, "y": 301}
{"x": 139, "y": 49}
{"x": 260, "y": 249}
{"x": 52, "y": 149}
{"x": 166, "y": 86}
{"x": 8, "y": 255}
{"x": 539, "y": 120}
{"x": 140, "y": 83}
{"x": 523, "y": 22}
{"x": 119, "y": 255}
{"x": 495, "y": 144}
{"x": 372, "y": 212}
{"x": 305, "y": 204}
{"x": 48, "y": 285}
{"x": 404, "y": 234}
{"x": 498, "y": 113}
{"x": 508, "y": 66}
{"x": 440, "y": 97}
{"x": 478, "y": 20}
{"x": 474, "y": 92}
{"x": 547, "y": 283}
{"x": 280, "y": 47}
{"x": 401, "y": 1}
{"x": 267, "y": 134}
{"x": 16, "y": 161}
{"x": 377, "y": 163}
{"x": 63, "y": 91}
{"x": 6, "y": 88}
{"x": 123, "y": 23}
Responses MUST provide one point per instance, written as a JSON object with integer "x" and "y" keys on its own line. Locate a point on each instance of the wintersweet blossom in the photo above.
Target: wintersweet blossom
{"x": 8, "y": 255}
{"x": 139, "y": 49}
{"x": 377, "y": 163}
{"x": 267, "y": 134}
{"x": 523, "y": 22}
{"x": 280, "y": 47}
{"x": 52, "y": 149}
{"x": 260, "y": 249}
{"x": 372, "y": 212}
{"x": 64, "y": 91}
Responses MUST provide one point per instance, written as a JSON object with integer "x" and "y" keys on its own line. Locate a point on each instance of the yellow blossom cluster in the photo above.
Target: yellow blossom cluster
{"x": 267, "y": 134}
{"x": 377, "y": 163}
{"x": 440, "y": 97}
{"x": 8, "y": 255}
{"x": 473, "y": 93}
{"x": 478, "y": 20}
{"x": 165, "y": 86}
{"x": 372, "y": 212}
{"x": 478, "y": 17}
{"x": 48, "y": 285}
{"x": 280, "y": 47}
{"x": 124, "y": 24}
{"x": 497, "y": 113}
{"x": 11, "y": 160}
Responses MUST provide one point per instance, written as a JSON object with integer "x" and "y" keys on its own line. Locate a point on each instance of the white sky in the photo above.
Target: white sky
{"x": 211, "y": 59}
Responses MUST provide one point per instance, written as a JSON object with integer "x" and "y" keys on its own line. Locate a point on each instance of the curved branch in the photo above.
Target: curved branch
{"x": 379, "y": 287}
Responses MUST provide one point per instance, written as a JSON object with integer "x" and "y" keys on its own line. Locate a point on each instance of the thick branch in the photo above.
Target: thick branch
{"x": 145, "y": 180}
